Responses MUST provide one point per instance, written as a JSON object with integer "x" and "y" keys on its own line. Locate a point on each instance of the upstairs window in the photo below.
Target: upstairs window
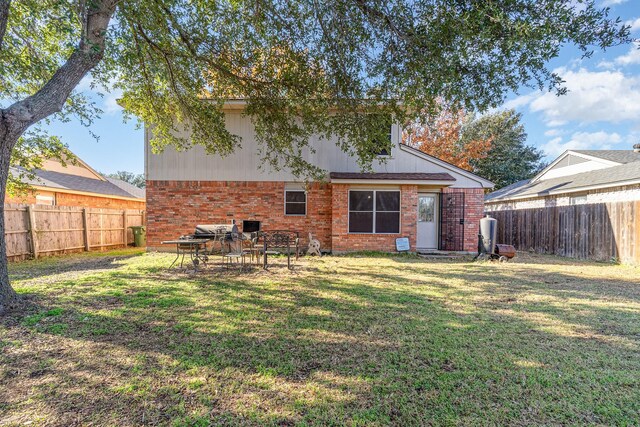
{"x": 383, "y": 141}
{"x": 374, "y": 211}
{"x": 295, "y": 202}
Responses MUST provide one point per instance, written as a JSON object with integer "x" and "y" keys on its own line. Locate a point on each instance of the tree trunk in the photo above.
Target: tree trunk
{"x": 8, "y": 297}
{"x": 49, "y": 99}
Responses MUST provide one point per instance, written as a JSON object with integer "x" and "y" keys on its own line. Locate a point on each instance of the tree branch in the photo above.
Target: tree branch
{"x": 52, "y": 96}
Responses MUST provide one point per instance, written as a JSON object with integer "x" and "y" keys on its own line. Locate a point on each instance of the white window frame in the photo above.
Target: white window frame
{"x": 291, "y": 190}
{"x": 578, "y": 200}
{"x": 41, "y": 198}
{"x": 387, "y": 156}
{"x": 375, "y": 191}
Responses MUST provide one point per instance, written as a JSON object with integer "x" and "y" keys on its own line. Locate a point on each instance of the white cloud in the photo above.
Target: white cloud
{"x": 110, "y": 104}
{"x": 581, "y": 141}
{"x": 594, "y": 96}
{"x": 607, "y": 3}
{"x": 632, "y": 57}
{"x": 553, "y": 132}
{"x": 634, "y": 23}
{"x": 109, "y": 101}
{"x": 520, "y": 101}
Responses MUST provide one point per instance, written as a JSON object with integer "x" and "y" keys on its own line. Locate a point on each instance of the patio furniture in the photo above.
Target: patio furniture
{"x": 236, "y": 250}
{"x": 195, "y": 248}
{"x": 279, "y": 242}
{"x": 218, "y": 233}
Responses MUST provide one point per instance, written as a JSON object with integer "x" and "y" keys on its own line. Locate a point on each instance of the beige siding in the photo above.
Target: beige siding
{"x": 245, "y": 163}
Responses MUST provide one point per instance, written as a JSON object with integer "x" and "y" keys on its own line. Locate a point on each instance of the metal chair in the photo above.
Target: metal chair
{"x": 279, "y": 242}
{"x": 236, "y": 250}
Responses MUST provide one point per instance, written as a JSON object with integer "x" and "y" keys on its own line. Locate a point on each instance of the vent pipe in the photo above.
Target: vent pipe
{"x": 636, "y": 148}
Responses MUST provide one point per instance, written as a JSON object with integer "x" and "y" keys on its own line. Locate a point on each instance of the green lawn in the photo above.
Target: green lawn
{"x": 117, "y": 339}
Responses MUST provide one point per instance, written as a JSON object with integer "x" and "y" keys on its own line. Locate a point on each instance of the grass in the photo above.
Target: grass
{"x": 366, "y": 340}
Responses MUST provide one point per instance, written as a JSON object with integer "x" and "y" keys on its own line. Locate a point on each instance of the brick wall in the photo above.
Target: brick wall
{"x": 68, "y": 199}
{"x": 473, "y": 212}
{"x": 175, "y": 207}
{"x": 343, "y": 241}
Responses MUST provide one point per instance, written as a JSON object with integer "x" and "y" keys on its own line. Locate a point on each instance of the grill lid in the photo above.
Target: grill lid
{"x": 213, "y": 229}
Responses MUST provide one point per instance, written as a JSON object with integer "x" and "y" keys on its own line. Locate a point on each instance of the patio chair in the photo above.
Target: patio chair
{"x": 236, "y": 250}
{"x": 279, "y": 242}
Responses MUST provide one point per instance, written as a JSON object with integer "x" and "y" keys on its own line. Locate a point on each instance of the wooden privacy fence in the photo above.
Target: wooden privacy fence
{"x": 32, "y": 231}
{"x": 602, "y": 231}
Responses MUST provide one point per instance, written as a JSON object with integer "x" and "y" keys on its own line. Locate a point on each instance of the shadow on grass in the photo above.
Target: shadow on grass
{"x": 402, "y": 347}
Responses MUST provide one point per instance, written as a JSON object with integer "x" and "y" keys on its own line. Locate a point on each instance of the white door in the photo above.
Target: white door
{"x": 427, "y": 233}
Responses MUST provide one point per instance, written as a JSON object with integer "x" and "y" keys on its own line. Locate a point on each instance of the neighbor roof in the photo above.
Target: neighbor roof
{"x": 63, "y": 181}
{"x": 393, "y": 176}
{"x": 601, "y": 178}
{"x": 618, "y": 156}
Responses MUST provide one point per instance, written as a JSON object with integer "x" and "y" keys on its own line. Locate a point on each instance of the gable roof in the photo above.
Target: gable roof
{"x": 613, "y": 176}
{"x": 607, "y": 157}
{"x": 63, "y": 181}
{"x": 618, "y": 156}
{"x": 485, "y": 183}
{"x": 393, "y": 176}
{"x": 128, "y": 187}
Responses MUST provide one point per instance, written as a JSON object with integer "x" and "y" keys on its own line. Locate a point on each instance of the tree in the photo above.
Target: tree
{"x": 130, "y": 177}
{"x": 510, "y": 159}
{"x": 303, "y": 67}
{"x": 442, "y": 137}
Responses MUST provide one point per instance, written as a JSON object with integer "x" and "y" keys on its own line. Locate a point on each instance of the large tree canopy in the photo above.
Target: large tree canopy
{"x": 442, "y": 136}
{"x": 509, "y": 159}
{"x": 303, "y": 67}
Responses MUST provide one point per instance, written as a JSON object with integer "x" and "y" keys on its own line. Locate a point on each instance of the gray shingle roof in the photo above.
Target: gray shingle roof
{"x": 418, "y": 176}
{"x": 611, "y": 176}
{"x": 129, "y": 188}
{"x": 81, "y": 183}
{"x": 619, "y": 156}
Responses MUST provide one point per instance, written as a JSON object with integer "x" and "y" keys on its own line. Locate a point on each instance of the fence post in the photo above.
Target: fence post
{"x": 32, "y": 231}
{"x": 85, "y": 226}
{"x": 124, "y": 227}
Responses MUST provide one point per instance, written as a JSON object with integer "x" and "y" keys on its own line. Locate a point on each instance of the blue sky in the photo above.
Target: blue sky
{"x": 601, "y": 110}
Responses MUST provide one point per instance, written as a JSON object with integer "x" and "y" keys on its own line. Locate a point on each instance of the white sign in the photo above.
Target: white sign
{"x": 402, "y": 244}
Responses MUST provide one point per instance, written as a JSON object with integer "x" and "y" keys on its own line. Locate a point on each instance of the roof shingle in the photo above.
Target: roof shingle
{"x": 393, "y": 176}
{"x": 84, "y": 184}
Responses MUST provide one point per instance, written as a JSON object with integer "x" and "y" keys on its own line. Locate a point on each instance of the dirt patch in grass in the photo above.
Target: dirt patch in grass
{"x": 364, "y": 340}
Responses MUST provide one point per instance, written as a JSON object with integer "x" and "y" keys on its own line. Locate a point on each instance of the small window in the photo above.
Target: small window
{"x": 578, "y": 200}
{"x": 426, "y": 209}
{"x": 374, "y": 212}
{"x": 384, "y": 143}
{"x": 45, "y": 200}
{"x": 295, "y": 202}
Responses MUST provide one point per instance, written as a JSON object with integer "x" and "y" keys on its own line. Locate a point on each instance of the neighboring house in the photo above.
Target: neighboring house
{"x": 585, "y": 204}
{"x": 78, "y": 185}
{"x": 433, "y": 203}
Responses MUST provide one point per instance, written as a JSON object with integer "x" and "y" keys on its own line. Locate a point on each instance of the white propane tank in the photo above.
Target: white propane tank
{"x": 489, "y": 232}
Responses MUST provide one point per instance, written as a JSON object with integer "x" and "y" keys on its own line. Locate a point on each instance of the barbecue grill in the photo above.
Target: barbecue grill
{"x": 215, "y": 231}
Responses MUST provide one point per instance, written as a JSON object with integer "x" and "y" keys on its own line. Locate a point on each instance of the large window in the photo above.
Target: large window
{"x": 295, "y": 202}
{"x": 374, "y": 211}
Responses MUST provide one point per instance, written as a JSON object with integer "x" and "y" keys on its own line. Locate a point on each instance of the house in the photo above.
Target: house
{"x": 585, "y": 204}
{"x": 409, "y": 194}
{"x": 77, "y": 184}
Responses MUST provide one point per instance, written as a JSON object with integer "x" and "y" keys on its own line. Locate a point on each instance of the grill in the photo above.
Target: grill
{"x": 214, "y": 231}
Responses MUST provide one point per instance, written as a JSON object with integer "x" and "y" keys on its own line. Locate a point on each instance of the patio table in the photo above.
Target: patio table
{"x": 195, "y": 248}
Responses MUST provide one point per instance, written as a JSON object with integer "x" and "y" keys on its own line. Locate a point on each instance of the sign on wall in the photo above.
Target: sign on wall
{"x": 402, "y": 244}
